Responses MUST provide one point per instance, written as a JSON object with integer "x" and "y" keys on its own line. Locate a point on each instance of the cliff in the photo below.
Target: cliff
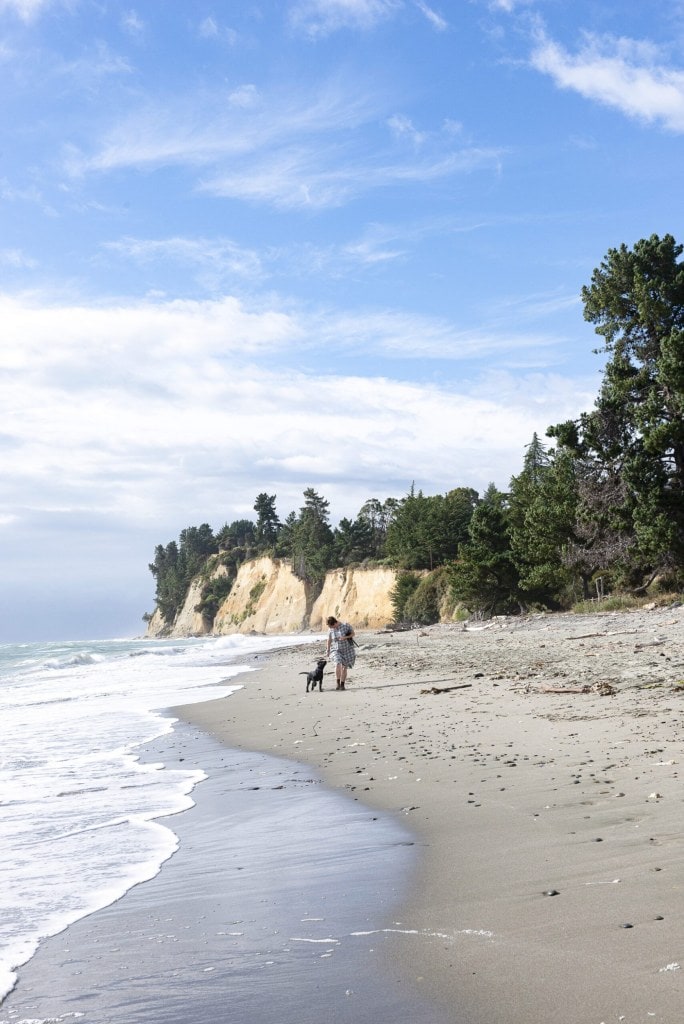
{"x": 268, "y": 598}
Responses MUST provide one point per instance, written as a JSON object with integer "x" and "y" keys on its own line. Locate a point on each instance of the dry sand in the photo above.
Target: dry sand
{"x": 551, "y": 886}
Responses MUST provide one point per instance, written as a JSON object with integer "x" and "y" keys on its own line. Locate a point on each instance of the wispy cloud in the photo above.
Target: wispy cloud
{"x": 132, "y": 23}
{"x": 215, "y": 261}
{"x": 402, "y": 127}
{"x": 202, "y": 128}
{"x": 15, "y": 259}
{"x": 319, "y": 178}
{"x": 625, "y": 74}
{"x": 410, "y": 336}
{"x": 319, "y": 18}
{"x": 435, "y": 19}
{"x": 27, "y": 10}
{"x": 288, "y": 152}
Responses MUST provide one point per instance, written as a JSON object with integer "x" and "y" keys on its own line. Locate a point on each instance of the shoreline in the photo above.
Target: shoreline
{"x": 269, "y": 911}
{"x": 549, "y": 822}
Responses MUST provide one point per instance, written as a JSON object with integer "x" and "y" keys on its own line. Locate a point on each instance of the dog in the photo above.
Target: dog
{"x": 315, "y": 675}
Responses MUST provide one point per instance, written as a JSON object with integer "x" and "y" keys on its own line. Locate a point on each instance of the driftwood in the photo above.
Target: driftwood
{"x": 604, "y": 689}
{"x": 447, "y": 689}
{"x": 615, "y": 632}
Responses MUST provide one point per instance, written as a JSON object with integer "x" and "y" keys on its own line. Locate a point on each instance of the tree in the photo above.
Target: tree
{"x": 312, "y": 538}
{"x": 353, "y": 541}
{"x": 170, "y": 587}
{"x": 241, "y": 533}
{"x": 543, "y": 512}
{"x": 175, "y": 565}
{"x": 377, "y": 516}
{"x": 268, "y": 524}
{"x": 632, "y": 443}
{"x": 485, "y": 576}
{"x": 426, "y": 531}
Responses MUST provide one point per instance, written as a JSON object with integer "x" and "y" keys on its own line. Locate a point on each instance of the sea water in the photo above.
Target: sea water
{"x": 81, "y": 817}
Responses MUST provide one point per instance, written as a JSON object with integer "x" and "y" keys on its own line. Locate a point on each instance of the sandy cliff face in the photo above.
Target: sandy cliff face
{"x": 359, "y": 596}
{"x": 268, "y": 598}
{"x": 188, "y": 621}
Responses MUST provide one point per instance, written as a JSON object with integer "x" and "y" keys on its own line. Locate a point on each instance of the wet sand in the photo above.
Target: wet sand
{"x": 271, "y": 911}
{"x": 550, "y": 882}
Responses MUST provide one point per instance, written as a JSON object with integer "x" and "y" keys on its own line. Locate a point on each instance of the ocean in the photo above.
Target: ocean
{"x": 82, "y": 817}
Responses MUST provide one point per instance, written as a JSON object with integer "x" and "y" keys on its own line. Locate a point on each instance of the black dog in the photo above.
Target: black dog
{"x": 315, "y": 675}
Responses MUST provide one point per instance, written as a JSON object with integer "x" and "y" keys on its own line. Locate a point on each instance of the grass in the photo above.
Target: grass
{"x": 625, "y": 603}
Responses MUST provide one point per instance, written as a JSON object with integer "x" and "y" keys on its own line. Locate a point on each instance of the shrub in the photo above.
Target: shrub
{"x": 405, "y": 585}
{"x": 426, "y": 602}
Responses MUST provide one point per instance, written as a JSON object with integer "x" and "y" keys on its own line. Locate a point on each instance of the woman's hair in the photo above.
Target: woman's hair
{"x": 331, "y": 620}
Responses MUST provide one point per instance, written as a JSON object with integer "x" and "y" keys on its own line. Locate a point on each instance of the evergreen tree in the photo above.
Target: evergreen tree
{"x": 543, "y": 514}
{"x": 485, "y": 576}
{"x": 354, "y": 541}
{"x": 632, "y": 443}
{"x": 426, "y": 531}
{"x": 312, "y": 538}
{"x": 377, "y": 515}
{"x": 268, "y": 524}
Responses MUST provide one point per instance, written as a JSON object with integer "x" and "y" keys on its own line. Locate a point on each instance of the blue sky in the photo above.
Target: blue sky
{"x": 260, "y": 246}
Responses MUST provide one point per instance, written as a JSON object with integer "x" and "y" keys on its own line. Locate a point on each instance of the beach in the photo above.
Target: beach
{"x": 536, "y": 760}
{"x": 485, "y": 827}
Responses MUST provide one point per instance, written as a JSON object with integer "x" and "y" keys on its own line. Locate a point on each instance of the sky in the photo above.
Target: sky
{"x": 266, "y": 245}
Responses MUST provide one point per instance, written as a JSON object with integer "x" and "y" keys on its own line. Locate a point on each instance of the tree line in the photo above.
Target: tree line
{"x": 602, "y": 502}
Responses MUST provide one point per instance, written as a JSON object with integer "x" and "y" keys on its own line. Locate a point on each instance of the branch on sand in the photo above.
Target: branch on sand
{"x": 603, "y": 689}
{"x": 447, "y": 689}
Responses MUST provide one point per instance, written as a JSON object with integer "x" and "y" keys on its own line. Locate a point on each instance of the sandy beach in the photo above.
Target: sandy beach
{"x": 536, "y": 760}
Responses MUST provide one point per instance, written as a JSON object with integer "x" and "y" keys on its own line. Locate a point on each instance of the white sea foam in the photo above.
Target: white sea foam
{"x": 79, "y": 809}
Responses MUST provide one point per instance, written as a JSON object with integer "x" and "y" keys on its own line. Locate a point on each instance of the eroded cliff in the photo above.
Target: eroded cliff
{"x": 268, "y": 598}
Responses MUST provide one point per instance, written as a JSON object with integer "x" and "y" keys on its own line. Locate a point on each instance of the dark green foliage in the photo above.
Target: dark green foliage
{"x": 406, "y": 584}
{"x": 542, "y": 516}
{"x": 353, "y": 541}
{"x": 268, "y": 524}
{"x": 630, "y": 448}
{"x": 485, "y": 576}
{"x": 376, "y": 516}
{"x": 427, "y": 531}
{"x": 241, "y": 533}
{"x": 175, "y": 565}
{"x": 424, "y": 605}
{"x": 214, "y": 593}
{"x": 311, "y": 539}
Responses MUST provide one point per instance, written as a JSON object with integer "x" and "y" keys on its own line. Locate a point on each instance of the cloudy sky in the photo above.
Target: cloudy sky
{"x": 262, "y": 245}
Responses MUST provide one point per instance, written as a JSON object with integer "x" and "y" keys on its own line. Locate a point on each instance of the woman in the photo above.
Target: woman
{"x": 341, "y": 648}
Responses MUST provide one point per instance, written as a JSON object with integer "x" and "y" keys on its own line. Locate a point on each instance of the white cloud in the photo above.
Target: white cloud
{"x": 624, "y": 74}
{"x": 131, "y": 409}
{"x": 317, "y": 18}
{"x": 132, "y": 23}
{"x": 403, "y": 128}
{"x": 27, "y": 10}
{"x": 435, "y": 19}
{"x": 208, "y": 28}
{"x": 17, "y": 260}
{"x": 246, "y": 96}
